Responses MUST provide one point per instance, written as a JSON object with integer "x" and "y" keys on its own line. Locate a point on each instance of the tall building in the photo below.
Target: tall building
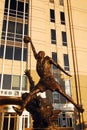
{"x": 59, "y": 28}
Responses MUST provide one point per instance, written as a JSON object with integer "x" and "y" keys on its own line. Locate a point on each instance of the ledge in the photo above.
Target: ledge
{"x": 62, "y": 128}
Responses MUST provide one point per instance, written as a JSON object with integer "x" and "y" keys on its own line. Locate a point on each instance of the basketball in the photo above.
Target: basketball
{"x": 27, "y": 39}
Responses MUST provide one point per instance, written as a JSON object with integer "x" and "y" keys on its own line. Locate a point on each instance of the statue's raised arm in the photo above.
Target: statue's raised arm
{"x": 59, "y": 67}
{"x": 27, "y": 40}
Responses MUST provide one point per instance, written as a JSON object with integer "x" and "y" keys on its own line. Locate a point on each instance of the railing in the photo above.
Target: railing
{"x": 64, "y": 107}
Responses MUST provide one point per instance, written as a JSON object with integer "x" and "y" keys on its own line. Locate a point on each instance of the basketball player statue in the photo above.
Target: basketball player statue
{"x": 47, "y": 81}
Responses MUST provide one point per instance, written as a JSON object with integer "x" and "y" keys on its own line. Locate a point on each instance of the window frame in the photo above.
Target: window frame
{"x": 66, "y": 62}
{"x": 53, "y": 36}
{"x": 64, "y": 38}
{"x": 62, "y": 17}
{"x": 52, "y": 15}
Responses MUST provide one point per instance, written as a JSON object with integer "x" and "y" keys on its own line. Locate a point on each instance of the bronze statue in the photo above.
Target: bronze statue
{"x": 47, "y": 80}
{"x": 42, "y": 112}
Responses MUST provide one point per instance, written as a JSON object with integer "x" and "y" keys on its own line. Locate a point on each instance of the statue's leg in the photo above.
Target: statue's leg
{"x": 59, "y": 89}
{"x": 28, "y": 99}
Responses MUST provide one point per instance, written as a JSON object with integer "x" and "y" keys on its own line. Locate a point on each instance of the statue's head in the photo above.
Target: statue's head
{"x": 41, "y": 54}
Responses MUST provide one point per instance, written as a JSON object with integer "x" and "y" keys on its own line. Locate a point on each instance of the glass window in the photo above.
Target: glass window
{"x": 6, "y": 81}
{"x": 68, "y": 87}
{"x": 19, "y": 28}
{"x": 16, "y": 10}
{"x": 20, "y": 6}
{"x": 64, "y": 38}
{"x": 54, "y": 57}
{"x": 6, "y": 7}
{"x": 52, "y": 1}
{"x": 1, "y": 51}
{"x": 11, "y": 26}
{"x": 53, "y": 36}
{"x": 19, "y": 31}
{"x": 52, "y": 15}
{"x": 62, "y": 17}
{"x": 4, "y": 25}
{"x": 17, "y": 55}
{"x": 56, "y": 97}
{"x": 6, "y": 3}
{"x": 4, "y": 29}
{"x": 61, "y": 2}
{"x": 26, "y": 29}
{"x": 25, "y": 54}
{"x": 26, "y": 10}
{"x": 15, "y": 82}
{"x": 20, "y": 9}
{"x": 66, "y": 62}
{"x": 13, "y": 4}
{"x": 24, "y": 83}
{"x": 9, "y": 52}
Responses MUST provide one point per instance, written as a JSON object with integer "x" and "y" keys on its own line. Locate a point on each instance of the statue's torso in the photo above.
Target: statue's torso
{"x": 44, "y": 67}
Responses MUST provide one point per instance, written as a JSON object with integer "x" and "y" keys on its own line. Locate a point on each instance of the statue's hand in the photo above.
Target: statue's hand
{"x": 27, "y": 39}
{"x": 27, "y": 72}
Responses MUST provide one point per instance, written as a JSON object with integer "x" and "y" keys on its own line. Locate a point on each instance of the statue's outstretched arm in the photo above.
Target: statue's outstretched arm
{"x": 59, "y": 67}
{"x": 27, "y": 40}
{"x": 27, "y": 73}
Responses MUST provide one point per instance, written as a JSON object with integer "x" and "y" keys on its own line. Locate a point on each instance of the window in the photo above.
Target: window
{"x": 52, "y": 15}
{"x": 1, "y": 51}
{"x": 66, "y": 62}
{"x": 25, "y": 54}
{"x": 54, "y": 57}
{"x": 64, "y": 39}
{"x": 9, "y": 52}
{"x": 15, "y": 29}
{"x": 26, "y": 29}
{"x": 52, "y": 1}
{"x": 53, "y": 36}
{"x": 24, "y": 83}
{"x": 56, "y": 97}
{"x": 11, "y": 29}
{"x": 13, "y": 4}
{"x": 16, "y": 8}
{"x": 68, "y": 87}
{"x": 4, "y": 29}
{"x": 6, "y": 81}
{"x": 61, "y": 2}
{"x": 17, "y": 53}
{"x": 62, "y": 17}
{"x": 16, "y": 82}
{"x": 65, "y": 119}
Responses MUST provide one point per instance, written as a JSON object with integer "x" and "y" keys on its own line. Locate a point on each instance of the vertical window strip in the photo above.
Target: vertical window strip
{"x": 14, "y": 48}
{"x": 14, "y": 39}
{"x": 66, "y": 62}
{"x": 53, "y": 36}
{"x": 62, "y": 18}
{"x": 52, "y": 15}
{"x": 5, "y": 47}
{"x": 64, "y": 38}
{"x": 22, "y": 47}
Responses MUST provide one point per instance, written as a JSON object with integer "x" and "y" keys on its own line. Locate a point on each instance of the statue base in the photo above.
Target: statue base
{"x": 59, "y": 128}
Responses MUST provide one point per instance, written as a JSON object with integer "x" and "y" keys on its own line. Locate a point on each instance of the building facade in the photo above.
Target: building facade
{"x": 59, "y": 28}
